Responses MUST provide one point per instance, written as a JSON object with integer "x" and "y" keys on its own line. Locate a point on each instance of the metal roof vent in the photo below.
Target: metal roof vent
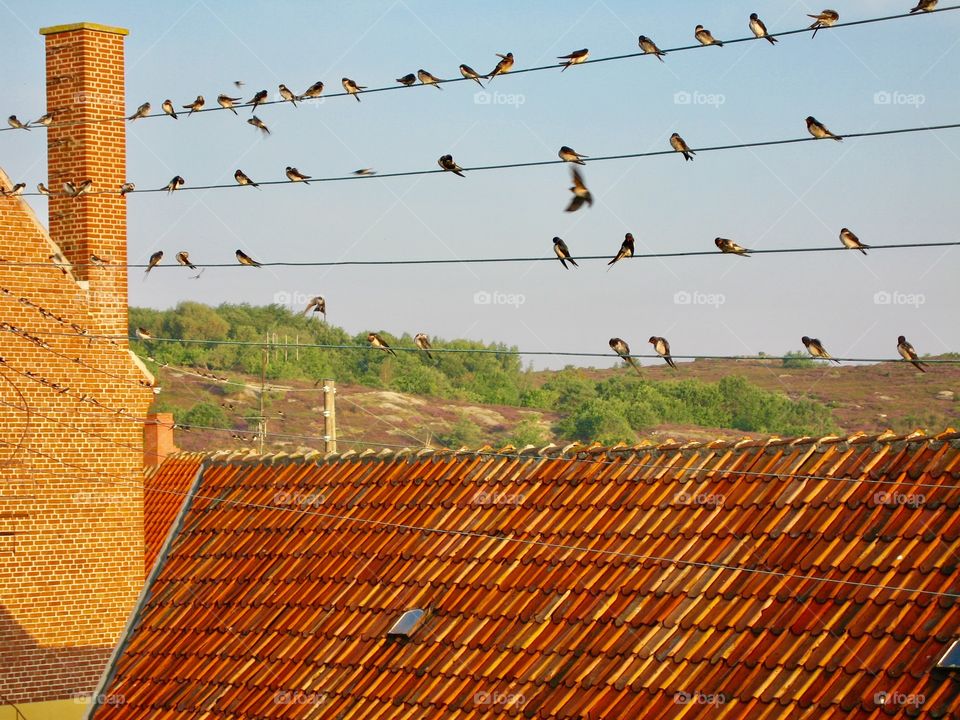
{"x": 404, "y": 627}
{"x": 951, "y": 658}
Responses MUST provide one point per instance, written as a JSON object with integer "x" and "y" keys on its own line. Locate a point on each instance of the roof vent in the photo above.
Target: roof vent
{"x": 404, "y": 627}
{"x": 951, "y": 658}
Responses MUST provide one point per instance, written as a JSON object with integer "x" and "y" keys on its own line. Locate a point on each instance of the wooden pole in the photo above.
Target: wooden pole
{"x": 329, "y": 416}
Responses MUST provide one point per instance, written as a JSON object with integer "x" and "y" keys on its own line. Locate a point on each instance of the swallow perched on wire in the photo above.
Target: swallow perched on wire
{"x": 287, "y": 94}
{"x": 16, "y": 124}
{"x": 43, "y": 189}
{"x": 470, "y": 74}
{"x": 816, "y": 349}
{"x": 448, "y": 164}
{"x": 142, "y": 111}
{"x": 318, "y": 305}
{"x": 649, "y": 47}
{"x": 153, "y": 262}
{"x": 45, "y": 120}
{"x": 259, "y": 124}
{"x": 423, "y": 342}
{"x": 909, "y": 354}
{"x": 245, "y": 259}
{"x": 678, "y": 144}
{"x": 563, "y": 253}
{"x": 98, "y": 261}
{"x": 83, "y": 188}
{"x": 819, "y": 130}
{"x": 729, "y": 246}
{"x": 143, "y": 334}
{"x": 428, "y": 79}
{"x": 127, "y": 187}
{"x": 568, "y": 154}
{"x": 506, "y": 62}
{"x": 620, "y": 347}
{"x": 760, "y": 30}
{"x": 175, "y": 183}
{"x": 379, "y": 343}
{"x": 227, "y": 103}
{"x": 407, "y": 80}
{"x": 294, "y": 175}
{"x": 823, "y": 20}
{"x": 352, "y": 88}
{"x": 365, "y": 172}
{"x": 17, "y": 189}
{"x": 662, "y": 348}
{"x": 241, "y": 177}
{"x": 258, "y": 98}
{"x": 69, "y": 189}
{"x": 195, "y": 105}
{"x": 313, "y": 91}
{"x": 924, "y": 6}
{"x": 851, "y": 241}
{"x": 704, "y": 37}
{"x": 183, "y": 257}
{"x": 625, "y": 251}
{"x": 574, "y": 58}
{"x": 167, "y": 106}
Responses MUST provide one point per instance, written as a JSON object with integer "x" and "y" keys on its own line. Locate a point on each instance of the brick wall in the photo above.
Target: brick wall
{"x": 71, "y": 501}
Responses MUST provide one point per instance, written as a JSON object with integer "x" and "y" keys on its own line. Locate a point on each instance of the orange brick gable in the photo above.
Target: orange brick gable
{"x": 765, "y": 579}
{"x": 71, "y": 499}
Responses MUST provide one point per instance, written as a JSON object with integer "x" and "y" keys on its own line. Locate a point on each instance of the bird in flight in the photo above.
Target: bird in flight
{"x": 574, "y": 58}
{"x": 851, "y": 241}
{"x": 729, "y": 246}
{"x": 318, "y": 305}
{"x": 580, "y": 192}
{"x": 259, "y": 124}
{"x": 563, "y": 253}
{"x": 379, "y": 343}
{"x": 448, "y": 164}
{"x": 620, "y": 347}
{"x": 816, "y": 349}
{"x": 662, "y": 347}
{"x": 909, "y": 354}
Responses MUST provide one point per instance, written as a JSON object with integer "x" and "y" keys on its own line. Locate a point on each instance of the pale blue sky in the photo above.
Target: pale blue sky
{"x": 890, "y": 189}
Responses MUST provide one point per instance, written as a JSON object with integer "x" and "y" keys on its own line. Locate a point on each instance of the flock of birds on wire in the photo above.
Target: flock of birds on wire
{"x": 581, "y": 194}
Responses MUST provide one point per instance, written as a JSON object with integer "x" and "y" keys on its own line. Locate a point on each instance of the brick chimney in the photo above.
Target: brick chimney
{"x": 87, "y": 141}
{"x": 158, "y": 438}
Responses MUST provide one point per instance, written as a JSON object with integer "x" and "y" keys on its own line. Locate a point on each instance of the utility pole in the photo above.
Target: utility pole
{"x": 329, "y": 416}
{"x": 262, "y": 420}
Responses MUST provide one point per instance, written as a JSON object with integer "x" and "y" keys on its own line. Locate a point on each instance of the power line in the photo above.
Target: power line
{"x": 469, "y": 261}
{"x": 102, "y": 477}
{"x": 520, "y": 71}
{"x": 538, "y": 163}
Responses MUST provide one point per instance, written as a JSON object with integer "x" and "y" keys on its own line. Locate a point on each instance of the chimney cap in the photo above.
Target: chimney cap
{"x": 54, "y": 29}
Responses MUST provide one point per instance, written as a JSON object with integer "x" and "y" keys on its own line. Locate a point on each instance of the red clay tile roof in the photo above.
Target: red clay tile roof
{"x": 549, "y": 589}
{"x": 164, "y": 487}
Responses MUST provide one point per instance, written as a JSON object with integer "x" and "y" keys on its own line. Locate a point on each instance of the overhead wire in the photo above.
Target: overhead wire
{"x": 500, "y": 537}
{"x": 518, "y": 71}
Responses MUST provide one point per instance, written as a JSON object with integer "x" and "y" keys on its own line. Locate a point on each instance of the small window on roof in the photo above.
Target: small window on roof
{"x": 404, "y": 627}
{"x": 951, "y": 658}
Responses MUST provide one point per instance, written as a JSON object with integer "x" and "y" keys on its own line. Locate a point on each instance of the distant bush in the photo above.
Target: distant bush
{"x": 205, "y": 414}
